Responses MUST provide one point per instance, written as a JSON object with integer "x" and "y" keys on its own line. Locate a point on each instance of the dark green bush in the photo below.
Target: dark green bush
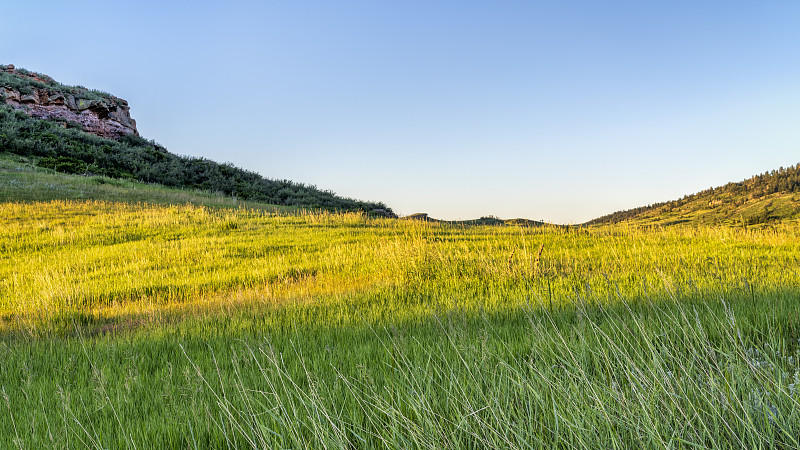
{"x": 63, "y": 164}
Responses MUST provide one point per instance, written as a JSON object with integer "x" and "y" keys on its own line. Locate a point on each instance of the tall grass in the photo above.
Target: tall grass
{"x": 133, "y": 326}
{"x": 105, "y": 260}
{"x": 614, "y": 381}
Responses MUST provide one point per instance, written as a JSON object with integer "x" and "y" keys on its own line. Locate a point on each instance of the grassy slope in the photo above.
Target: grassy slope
{"x": 147, "y": 319}
{"x": 141, "y": 325}
{"x": 184, "y": 326}
{"x": 765, "y": 198}
{"x": 20, "y": 181}
{"x": 102, "y": 255}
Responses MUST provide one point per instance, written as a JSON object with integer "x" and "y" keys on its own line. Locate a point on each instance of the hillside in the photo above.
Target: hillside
{"x": 74, "y": 130}
{"x": 768, "y": 197}
{"x": 21, "y": 181}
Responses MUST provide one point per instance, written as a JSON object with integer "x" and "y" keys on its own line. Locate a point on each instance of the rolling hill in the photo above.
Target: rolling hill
{"x": 769, "y": 197}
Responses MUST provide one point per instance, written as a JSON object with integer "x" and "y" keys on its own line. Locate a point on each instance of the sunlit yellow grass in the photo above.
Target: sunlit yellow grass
{"x": 112, "y": 259}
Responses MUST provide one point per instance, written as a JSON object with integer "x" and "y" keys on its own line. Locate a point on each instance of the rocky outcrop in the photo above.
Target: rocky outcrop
{"x": 43, "y": 98}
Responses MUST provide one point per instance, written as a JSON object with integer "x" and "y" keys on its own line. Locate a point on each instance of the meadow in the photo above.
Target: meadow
{"x": 137, "y": 325}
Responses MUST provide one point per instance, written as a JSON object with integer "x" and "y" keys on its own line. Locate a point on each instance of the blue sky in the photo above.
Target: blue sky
{"x": 561, "y": 111}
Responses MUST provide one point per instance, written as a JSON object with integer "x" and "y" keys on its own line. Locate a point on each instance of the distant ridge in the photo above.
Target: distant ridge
{"x": 486, "y": 220}
{"x": 75, "y": 130}
{"x": 769, "y": 197}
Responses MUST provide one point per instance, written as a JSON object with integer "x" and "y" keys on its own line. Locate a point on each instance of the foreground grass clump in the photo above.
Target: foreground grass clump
{"x": 585, "y": 377}
{"x": 611, "y": 381}
{"x": 137, "y": 326}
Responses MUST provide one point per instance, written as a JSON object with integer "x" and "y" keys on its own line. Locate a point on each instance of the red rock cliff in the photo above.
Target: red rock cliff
{"x": 103, "y": 115}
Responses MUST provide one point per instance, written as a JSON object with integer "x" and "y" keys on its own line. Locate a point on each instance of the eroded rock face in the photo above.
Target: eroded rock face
{"x": 109, "y": 117}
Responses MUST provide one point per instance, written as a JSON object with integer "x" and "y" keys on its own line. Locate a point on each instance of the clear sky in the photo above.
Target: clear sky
{"x": 557, "y": 110}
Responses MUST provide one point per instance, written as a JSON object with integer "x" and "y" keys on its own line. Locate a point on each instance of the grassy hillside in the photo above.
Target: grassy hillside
{"x": 766, "y": 198}
{"x": 138, "y": 326}
{"x": 63, "y": 148}
{"x": 21, "y": 181}
{"x": 134, "y": 315}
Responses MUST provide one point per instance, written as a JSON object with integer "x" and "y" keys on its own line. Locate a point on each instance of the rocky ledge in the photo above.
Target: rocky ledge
{"x": 105, "y": 115}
